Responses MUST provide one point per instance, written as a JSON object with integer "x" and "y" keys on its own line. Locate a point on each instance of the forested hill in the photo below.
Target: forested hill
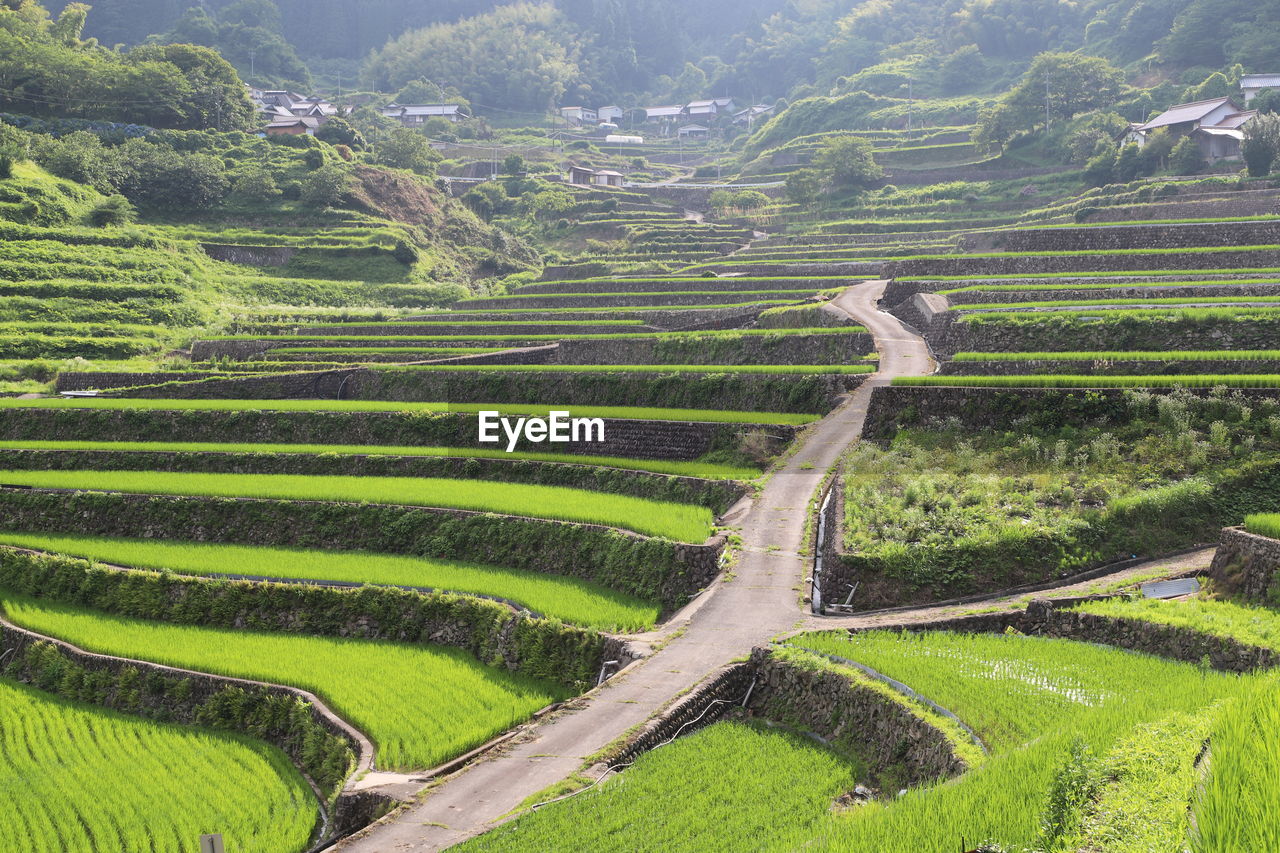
{"x": 527, "y": 56}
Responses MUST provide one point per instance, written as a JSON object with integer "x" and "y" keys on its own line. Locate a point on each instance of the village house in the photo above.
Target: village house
{"x": 752, "y": 114}
{"x": 1216, "y": 125}
{"x": 713, "y": 107}
{"x": 416, "y": 115}
{"x": 694, "y": 131}
{"x": 587, "y": 177}
{"x": 579, "y": 115}
{"x": 1252, "y": 84}
{"x": 293, "y": 126}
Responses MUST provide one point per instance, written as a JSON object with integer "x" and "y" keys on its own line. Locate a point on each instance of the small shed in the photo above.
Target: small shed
{"x": 581, "y": 175}
{"x": 694, "y": 131}
{"x": 607, "y": 178}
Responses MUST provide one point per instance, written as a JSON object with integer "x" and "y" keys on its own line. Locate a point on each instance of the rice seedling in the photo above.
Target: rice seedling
{"x": 1255, "y": 380}
{"x": 1236, "y": 808}
{"x": 682, "y": 522}
{"x": 701, "y": 470}
{"x": 1073, "y": 304}
{"x": 1254, "y": 626}
{"x": 1118, "y": 282}
{"x": 1263, "y": 524}
{"x": 77, "y": 777}
{"x": 731, "y": 786}
{"x": 1088, "y": 314}
{"x": 798, "y": 369}
{"x": 569, "y": 599}
{"x": 419, "y": 704}
{"x": 622, "y": 412}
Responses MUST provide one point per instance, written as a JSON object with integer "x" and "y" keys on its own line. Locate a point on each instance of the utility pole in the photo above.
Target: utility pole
{"x": 1046, "y": 102}
{"x": 251, "y": 53}
{"x": 910, "y": 103}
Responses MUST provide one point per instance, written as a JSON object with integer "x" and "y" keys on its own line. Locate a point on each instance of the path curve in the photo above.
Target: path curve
{"x": 760, "y": 598}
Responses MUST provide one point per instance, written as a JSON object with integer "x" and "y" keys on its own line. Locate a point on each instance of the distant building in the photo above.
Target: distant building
{"x": 588, "y": 177}
{"x": 1216, "y": 124}
{"x": 1252, "y": 84}
{"x": 610, "y": 113}
{"x": 669, "y": 113}
{"x": 293, "y": 126}
{"x": 753, "y": 114}
{"x": 416, "y": 115}
{"x": 694, "y": 131}
{"x": 579, "y": 115}
{"x": 713, "y": 107}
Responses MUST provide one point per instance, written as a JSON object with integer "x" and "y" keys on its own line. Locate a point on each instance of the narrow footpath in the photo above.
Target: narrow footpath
{"x": 760, "y": 598}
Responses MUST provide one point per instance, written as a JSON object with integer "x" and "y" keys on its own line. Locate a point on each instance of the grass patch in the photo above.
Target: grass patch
{"x": 568, "y": 599}
{"x": 681, "y": 522}
{"x": 419, "y": 704}
{"x": 77, "y": 777}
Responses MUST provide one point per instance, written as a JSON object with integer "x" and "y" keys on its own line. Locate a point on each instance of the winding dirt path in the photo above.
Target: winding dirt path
{"x": 758, "y": 599}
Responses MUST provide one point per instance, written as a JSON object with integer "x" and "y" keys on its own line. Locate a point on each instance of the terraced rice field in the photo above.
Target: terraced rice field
{"x": 1248, "y": 380}
{"x": 419, "y": 704}
{"x": 575, "y": 601}
{"x": 131, "y": 784}
{"x": 681, "y": 522}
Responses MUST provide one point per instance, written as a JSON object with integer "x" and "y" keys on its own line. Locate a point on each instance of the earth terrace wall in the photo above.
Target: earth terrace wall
{"x": 1267, "y": 202}
{"x": 774, "y": 392}
{"x": 1108, "y": 238}
{"x": 1043, "y": 619}
{"x": 822, "y": 701}
{"x": 321, "y": 745}
{"x": 1246, "y": 564}
{"x": 1138, "y": 294}
{"x": 718, "y": 495}
{"x": 639, "y": 439}
{"x": 667, "y": 285}
{"x": 744, "y": 349}
{"x": 1023, "y": 264}
{"x": 494, "y": 633}
{"x": 655, "y": 569}
{"x": 898, "y": 290}
{"x": 630, "y": 300}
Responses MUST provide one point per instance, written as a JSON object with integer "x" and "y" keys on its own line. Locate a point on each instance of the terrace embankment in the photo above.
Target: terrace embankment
{"x": 492, "y": 632}
{"x": 655, "y": 569}
{"x": 898, "y": 407}
{"x": 1043, "y": 619}
{"x": 1083, "y": 262}
{"x": 718, "y": 495}
{"x": 1103, "y": 366}
{"x": 851, "y": 717}
{"x": 623, "y": 437}
{"x": 1104, "y": 238}
{"x": 1051, "y": 332}
{"x": 776, "y": 391}
{"x": 1246, "y": 564}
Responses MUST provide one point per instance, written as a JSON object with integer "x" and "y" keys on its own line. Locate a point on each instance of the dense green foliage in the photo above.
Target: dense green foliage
{"x": 571, "y": 600}
{"x": 420, "y": 705}
{"x": 92, "y": 777}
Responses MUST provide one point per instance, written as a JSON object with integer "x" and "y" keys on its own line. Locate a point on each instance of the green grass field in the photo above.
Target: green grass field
{"x": 1254, "y": 626}
{"x": 568, "y": 599}
{"x": 1247, "y": 380}
{"x": 701, "y": 470}
{"x": 76, "y": 777}
{"x": 682, "y": 522}
{"x": 419, "y": 704}
{"x": 621, "y": 412}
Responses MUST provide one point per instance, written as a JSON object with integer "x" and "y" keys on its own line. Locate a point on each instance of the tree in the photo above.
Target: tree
{"x": 326, "y": 186}
{"x": 996, "y": 126}
{"x": 158, "y": 176}
{"x": 1128, "y": 164}
{"x": 255, "y": 184}
{"x": 1071, "y": 83}
{"x": 1261, "y": 144}
{"x": 1101, "y": 168}
{"x": 513, "y": 164}
{"x": 113, "y": 210}
{"x": 846, "y": 162}
{"x": 803, "y": 185}
{"x": 1186, "y": 158}
{"x": 407, "y": 149}
{"x": 1266, "y": 101}
{"x": 1156, "y": 150}
{"x": 750, "y": 199}
{"x": 339, "y": 131}
{"x": 720, "y": 199}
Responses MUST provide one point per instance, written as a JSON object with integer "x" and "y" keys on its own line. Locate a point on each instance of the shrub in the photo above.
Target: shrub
{"x": 325, "y": 186}
{"x": 113, "y": 210}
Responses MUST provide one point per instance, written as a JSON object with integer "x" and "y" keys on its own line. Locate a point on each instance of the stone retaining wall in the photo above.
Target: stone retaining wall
{"x": 666, "y": 285}
{"x": 625, "y": 300}
{"x": 1023, "y": 264}
{"x": 1246, "y": 564}
{"x": 1138, "y": 294}
{"x": 1103, "y": 238}
{"x": 1028, "y": 367}
{"x": 84, "y": 381}
{"x": 250, "y": 256}
{"x": 1044, "y": 618}
{"x": 746, "y": 349}
{"x": 1059, "y": 333}
{"x": 770, "y": 392}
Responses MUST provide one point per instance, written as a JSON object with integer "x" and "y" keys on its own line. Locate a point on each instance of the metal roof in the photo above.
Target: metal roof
{"x": 1236, "y": 120}
{"x": 1170, "y": 589}
{"x": 1260, "y": 81}
{"x": 1183, "y": 113}
{"x": 654, "y": 112}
